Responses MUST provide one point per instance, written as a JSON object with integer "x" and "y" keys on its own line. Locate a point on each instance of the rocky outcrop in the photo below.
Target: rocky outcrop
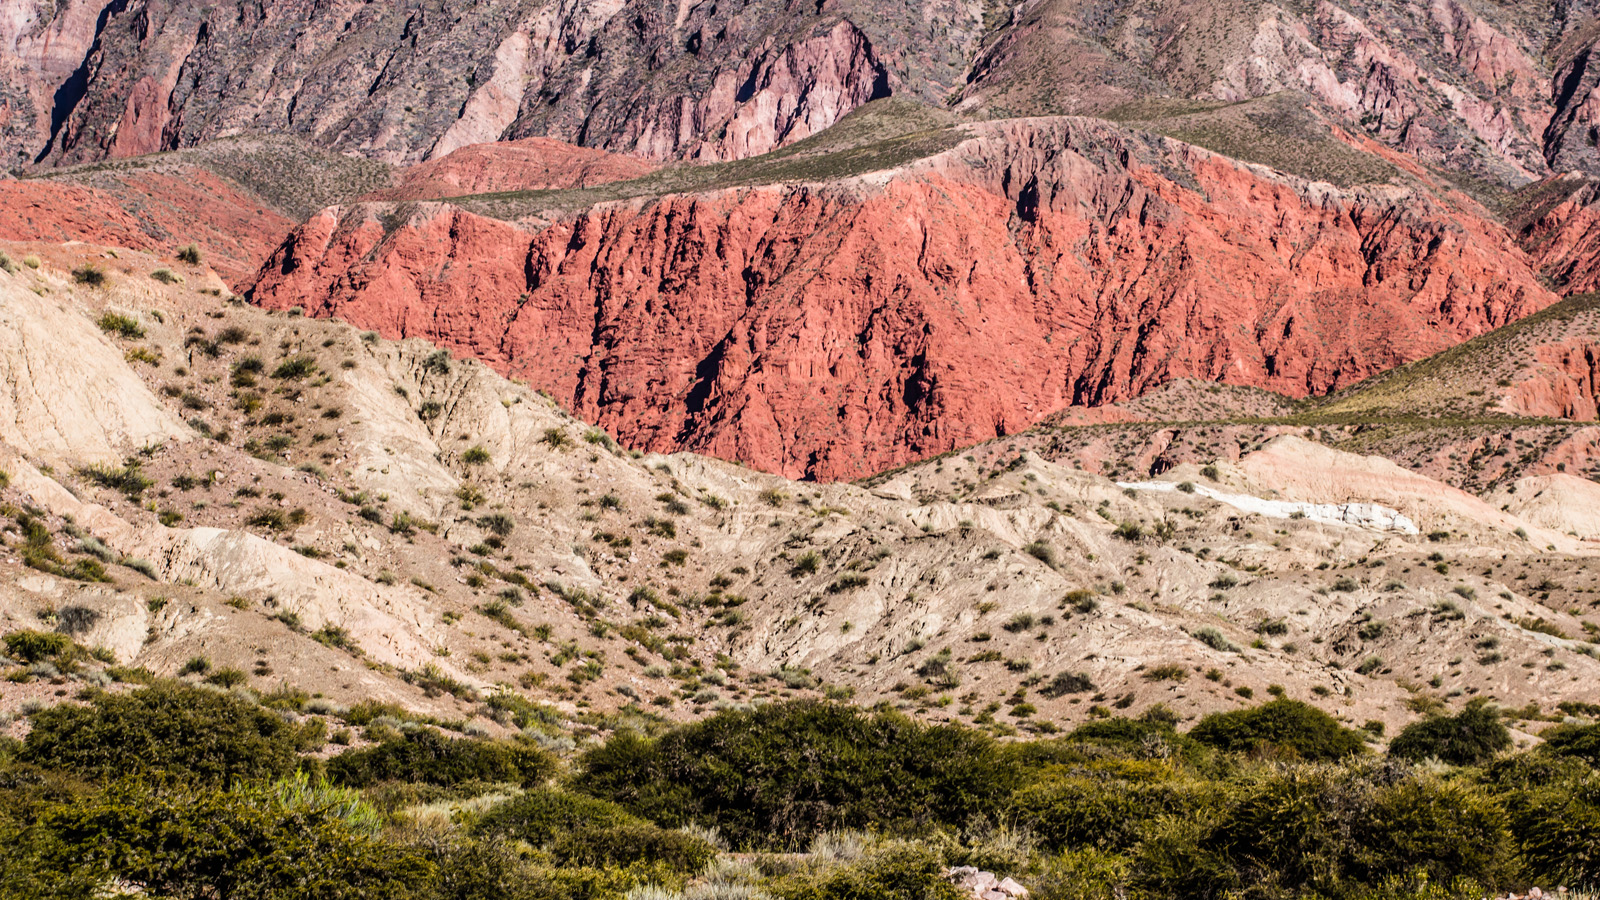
{"x": 788, "y": 93}
{"x": 1487, "y": 88}
{"x": 158, "y": 211}
{"x": 1574, "y": 128}
{"x": 1561, "y": 382}
{"x": 1562, "y": 233}
{"x": 406, "y": 81}
{"x": 985, "y": 885}
{"x": 835, "y": 330}
{"x": 1459, "y": 85}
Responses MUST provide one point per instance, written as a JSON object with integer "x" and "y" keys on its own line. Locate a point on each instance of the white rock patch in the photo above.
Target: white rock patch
{"x": 1359, "y": 515}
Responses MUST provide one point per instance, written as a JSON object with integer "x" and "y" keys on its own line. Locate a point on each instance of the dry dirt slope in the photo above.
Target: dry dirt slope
{"x": 367, "y": 518}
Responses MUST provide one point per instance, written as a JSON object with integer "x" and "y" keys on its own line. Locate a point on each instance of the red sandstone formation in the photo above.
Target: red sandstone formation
{"x": 148, "y": 210}
{"x": 1561, "y": 384}
{"x": 1564, "y": 238}
{"x": 835, "y": 330}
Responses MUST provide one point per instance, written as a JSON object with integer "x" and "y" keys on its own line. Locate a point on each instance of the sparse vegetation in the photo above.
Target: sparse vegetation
{"x": 120, "y": 325}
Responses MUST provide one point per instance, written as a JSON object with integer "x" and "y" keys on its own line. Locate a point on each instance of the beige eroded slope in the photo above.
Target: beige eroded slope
{"x": 64, "y": 387}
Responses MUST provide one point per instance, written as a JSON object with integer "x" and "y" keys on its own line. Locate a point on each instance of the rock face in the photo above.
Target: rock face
{"x": 67, "y": 387}
{"x": 1499, "y": 90}
{"x": 155, "y": 211}
{"x": 1462, "y": 85}
{"x": 412, "y": 80}
{"x": 1563, "y": 233}
{"x": 833, "y": 330}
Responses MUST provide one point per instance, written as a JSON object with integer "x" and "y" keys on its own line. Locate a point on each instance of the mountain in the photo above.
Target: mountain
{"x": 1501, "y": 92}
{"x": 832, "y": 322}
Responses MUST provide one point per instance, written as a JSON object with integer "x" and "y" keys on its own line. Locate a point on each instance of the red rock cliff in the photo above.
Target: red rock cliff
{"x": 835, "y": 330}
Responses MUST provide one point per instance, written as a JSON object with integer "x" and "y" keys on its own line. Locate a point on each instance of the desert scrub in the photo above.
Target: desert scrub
{"x": 1289, "y": 725}
{"x": 295, "y": 367}
{"x": 127, "y": 478}
{"x": 120, "y": 325}
{"x": 89, "y": 275}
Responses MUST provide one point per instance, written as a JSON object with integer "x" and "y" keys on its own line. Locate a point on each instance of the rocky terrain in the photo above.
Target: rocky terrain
{"x": 314, "y": 505}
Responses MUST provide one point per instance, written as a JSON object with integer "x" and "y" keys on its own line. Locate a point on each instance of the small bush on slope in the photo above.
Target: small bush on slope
{"x": 1282, "y": 726}
{"x": 1474, "y": 736}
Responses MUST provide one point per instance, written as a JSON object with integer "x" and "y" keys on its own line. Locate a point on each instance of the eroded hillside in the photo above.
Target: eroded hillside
{"x": 315, "y": 506}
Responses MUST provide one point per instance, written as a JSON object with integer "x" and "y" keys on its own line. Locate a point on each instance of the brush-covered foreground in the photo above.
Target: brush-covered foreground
{"x": 158, "y": 788}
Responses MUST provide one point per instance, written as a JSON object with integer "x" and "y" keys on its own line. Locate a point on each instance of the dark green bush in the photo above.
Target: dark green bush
{"x": 539, "y": 816}
{"x": 622, "y": 845}
{"x": 1337, "y": 831}
{"x": 169, "y": 729}
{"x": 779, "y": 774}
{"x": 1558, "y": 831}
{"x": 1283, "y": 727}
{"x": 1472, "y": 737}
{"x": 426, "y": 755}
{"x": 247, "y": 843}
{"x": 295, "y": 367}
{"x": 1575, "y": 741}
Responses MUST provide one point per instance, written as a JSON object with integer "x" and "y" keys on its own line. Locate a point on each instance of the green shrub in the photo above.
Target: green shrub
{"x": 426, "y": 755}
{"x": 295, "y": 367}
{"x": 779, "y": 774}
{"x": 540, "y": 816}
{"x": 189, "y": 253}
{"x": 1082, "y": 874}
{"x": 120, "y": 325}
{"x": 252, "y": 842}
{"x": 127, "y": 478}
{"x": 167, "y": 276}
{"x": 1577, "y": 741}
{"x": 475, "y": 456}
{"x": 1042, "y": 552}
{"x": 1324, "y": 830}
{"x": 1100, "y": 812}
{"x": 1067, "y": 683}
{"x": 1557, "y": 826}
{"x": 625, "y": 844}
{"x": 497, "y": 523}
{"x": 227, "y": 678}
{"x": 89, "y": 275}
{"x": 1281, "y": 726}
{"x": 35, "y": 646}
{"x": 1474, "y": 736}
{"x": 190, "y": 734}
